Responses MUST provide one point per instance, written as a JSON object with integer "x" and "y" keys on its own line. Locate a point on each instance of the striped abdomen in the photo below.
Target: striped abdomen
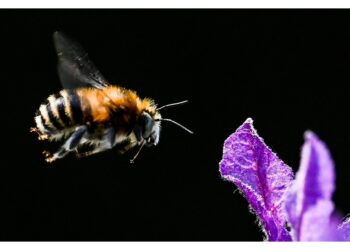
{"x": 59, "y": 111}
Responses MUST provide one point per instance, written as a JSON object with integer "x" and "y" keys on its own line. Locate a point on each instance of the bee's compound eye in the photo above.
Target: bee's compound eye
{"x": 138, "y": 133}
{"x": 146, "y": 123}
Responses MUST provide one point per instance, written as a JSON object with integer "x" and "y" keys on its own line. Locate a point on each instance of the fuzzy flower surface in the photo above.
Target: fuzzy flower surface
{"x": 304, "y": 203}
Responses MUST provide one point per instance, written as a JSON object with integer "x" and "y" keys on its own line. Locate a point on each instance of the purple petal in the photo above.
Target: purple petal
{"x": 260, "y": 175}
{"x": 344, "y": 228}
{"x": 308, "y": 202}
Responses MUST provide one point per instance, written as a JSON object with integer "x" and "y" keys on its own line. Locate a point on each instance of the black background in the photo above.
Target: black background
{"x": 287, "y": 69}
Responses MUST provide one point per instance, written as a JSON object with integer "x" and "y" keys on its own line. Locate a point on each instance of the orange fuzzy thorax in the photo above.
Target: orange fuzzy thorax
{"x": 103, "y": 102}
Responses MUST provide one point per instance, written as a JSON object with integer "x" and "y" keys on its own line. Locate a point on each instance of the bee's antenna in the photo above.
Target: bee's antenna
{"x": 138, "y": 152}
{"x": 178, "y": 124}
{"x": 172, "y": 104}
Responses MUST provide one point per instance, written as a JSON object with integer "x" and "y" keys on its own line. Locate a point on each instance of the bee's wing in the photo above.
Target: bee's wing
{"x": 75, "y": 69}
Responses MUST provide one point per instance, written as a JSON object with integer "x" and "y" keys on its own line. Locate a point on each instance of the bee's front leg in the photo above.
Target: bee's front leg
{"x": 71, "y": 143}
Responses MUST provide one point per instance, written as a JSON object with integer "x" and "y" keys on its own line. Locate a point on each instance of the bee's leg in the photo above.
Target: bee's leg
{"x": 91, "y": 152}
{"x": 129, "y": 144}
{"x": 109, "y": 138}
{"x": 71, "y": 143}
{"x": 41, "y": 136}
{"x": 106, "y": 143}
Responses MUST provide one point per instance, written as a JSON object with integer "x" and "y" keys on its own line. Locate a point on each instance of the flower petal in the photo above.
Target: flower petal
{"x": 260, "y": 175}
{"x": 309, "y": 201}
{"x": 344, "y": 228}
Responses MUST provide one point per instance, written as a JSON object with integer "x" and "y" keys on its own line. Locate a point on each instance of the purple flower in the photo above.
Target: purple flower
{"x": 261, "y": 176}
{"x": 267, "y": 183}
{"x": 309, "y": 201}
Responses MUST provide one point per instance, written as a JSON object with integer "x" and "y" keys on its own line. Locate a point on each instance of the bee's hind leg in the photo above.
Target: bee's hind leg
{"x": 71, "y": 143}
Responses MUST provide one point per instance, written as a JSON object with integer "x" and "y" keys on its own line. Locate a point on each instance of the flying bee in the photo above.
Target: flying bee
{"x": 90, "y": 113}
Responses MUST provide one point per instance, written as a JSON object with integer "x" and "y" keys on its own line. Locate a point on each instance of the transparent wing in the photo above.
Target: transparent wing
{"x": 75, "y": 69}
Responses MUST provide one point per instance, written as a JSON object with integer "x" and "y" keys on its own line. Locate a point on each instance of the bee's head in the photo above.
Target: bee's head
{"x": 148, "y": 128}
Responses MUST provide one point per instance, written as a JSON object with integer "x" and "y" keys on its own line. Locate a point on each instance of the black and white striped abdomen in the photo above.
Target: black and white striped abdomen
{"x": 59, "y": 112}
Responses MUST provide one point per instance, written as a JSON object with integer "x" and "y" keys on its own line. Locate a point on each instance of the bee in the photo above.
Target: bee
{"x": 89, "y": 114}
